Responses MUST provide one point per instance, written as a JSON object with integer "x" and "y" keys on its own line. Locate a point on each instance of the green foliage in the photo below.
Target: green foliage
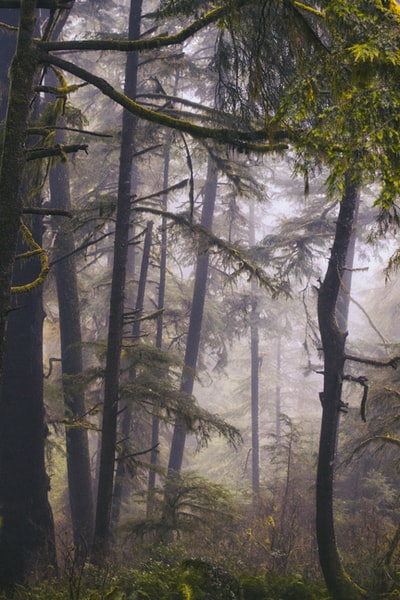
{"x": 208, "y": 582}
{"x": 296, "y": 588}
{"x": 193, "y": 579}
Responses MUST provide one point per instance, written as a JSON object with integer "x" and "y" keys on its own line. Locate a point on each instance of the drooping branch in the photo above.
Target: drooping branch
{"x": 233, "y": 252}
{"x": 251, "y": 141}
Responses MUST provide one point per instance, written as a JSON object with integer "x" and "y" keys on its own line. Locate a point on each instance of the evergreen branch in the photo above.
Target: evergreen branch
{"x": 234, "y": 253}
{"x": 154, "y": 43}
{"x": 241, "y": 140}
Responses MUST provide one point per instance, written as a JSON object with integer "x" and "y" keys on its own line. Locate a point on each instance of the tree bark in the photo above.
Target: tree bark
{"x": 77, "y": 445}
{"x": 196, "y": 318}
{"x": 8, "y": 41}
{"x": 12, "y": 154}
{"x": 27, "y": 545}
{"x": 102, "y": 531}
{"x": 27, "y": 532}
{"x": 333, "y": 343}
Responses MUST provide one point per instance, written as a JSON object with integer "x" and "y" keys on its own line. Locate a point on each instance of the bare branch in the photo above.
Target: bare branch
{"x": 58, "y": 150}
{"x": 35, "y": 210}
{"x": 391, "y": 362}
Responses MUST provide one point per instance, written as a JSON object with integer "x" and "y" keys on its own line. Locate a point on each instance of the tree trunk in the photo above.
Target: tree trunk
{"x": 115, "y": 332}
{"x": 12, "y": 154}
{"x": 27, "y": 532}
{"x": 160, "y": 321}
{"x": 27, "y": 546}
{"x": 78, "y": 459}
{"x": 196, "y": 318}
{"x": 7, "y": 48}
{"x": 126, "y": 421}
{"x": 254, "y": 370}
{"x": 278, "y": 409}
{"x": 333, "y": 343}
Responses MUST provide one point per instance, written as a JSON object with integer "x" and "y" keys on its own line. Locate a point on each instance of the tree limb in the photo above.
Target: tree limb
{"x": 391, "y": 362}
{"x": 144, "y": 44}
{"x": 241, "y": 140}
{"x": 58, "y": 150}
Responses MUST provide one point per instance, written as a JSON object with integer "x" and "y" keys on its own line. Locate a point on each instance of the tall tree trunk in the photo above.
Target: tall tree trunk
{"x": 333, "y": 343}
{"x": 78, "y": 459}
{"x": 8, "y": 41}
{"x": 27, "y": 532}
{"x": 126, "y": 421}
{"x": 254, "y": 371}
{"x": 115, "y": 332}
{"x": 12, "y": 154}
{"x": 160, "y": 320}
{"x": 278, "y": 389}
{"x": 196, "y": 318}
{"x": 27, "y": 544}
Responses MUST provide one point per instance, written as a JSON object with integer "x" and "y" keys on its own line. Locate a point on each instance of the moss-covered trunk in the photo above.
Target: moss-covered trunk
{"x": 12, "y": 154}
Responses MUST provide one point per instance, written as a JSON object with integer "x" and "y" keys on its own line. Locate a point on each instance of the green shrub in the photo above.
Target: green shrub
{"x": 204, "y": 581}
{"x": 253, "y": 588}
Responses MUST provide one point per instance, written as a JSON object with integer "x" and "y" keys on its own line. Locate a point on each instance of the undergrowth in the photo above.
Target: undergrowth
{"x": 191, "y": 579}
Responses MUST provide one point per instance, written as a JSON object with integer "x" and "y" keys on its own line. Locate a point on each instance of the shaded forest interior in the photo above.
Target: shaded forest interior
{"x": 199, "y": 300}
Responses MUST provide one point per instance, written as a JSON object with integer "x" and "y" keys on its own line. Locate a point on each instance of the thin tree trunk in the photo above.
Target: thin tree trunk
{"x": 333, "y": 343}
{"x": 254, "y": 370}
{"x": 196, "y": 318}
{"x": 278, "y": 389}
{"x": 102, "y": 531}
{"x": 126, "y": 421}
{"x": 160, "y": 322}
{"x": 77, "y": 445}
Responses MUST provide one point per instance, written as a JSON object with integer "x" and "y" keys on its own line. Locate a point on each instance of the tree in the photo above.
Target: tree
{"x": 196, "y": 316}
{"x": 78, "y": 460}
{"x": 27, "y": 544}
{"x": 115, "y": 331}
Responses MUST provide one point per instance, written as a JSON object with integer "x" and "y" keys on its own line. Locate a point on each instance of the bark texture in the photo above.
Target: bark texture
{"x": 333, "y": 344}
{"x": 27, "y": 545}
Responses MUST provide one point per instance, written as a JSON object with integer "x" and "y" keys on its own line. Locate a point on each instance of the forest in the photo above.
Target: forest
{"x": 199, "y": 299}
